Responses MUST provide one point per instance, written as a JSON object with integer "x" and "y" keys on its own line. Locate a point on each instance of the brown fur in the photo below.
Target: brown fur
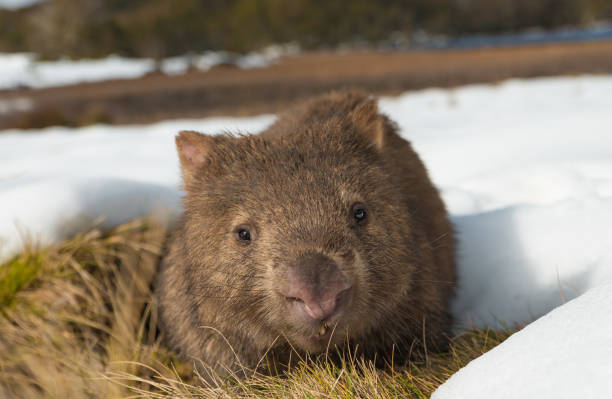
{"x": 294, "y": 185}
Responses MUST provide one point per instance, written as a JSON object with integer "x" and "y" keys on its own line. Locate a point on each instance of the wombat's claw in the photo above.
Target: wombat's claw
{"x": 323, "y": 328}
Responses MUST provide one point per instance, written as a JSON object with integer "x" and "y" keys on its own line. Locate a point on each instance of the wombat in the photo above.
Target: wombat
{"x": 321, "y": 232}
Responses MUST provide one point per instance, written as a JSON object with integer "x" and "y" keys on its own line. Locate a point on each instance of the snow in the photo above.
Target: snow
{"x": 15, "y": 4}
{"x": 564, "y": 354}
{"x": 519, "y": 262}
{"x": 525, "y": 168}
{"x": 24, "y": 69}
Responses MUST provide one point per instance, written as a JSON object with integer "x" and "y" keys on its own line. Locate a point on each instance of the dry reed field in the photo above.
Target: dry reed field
{"x": 227, "y": 90}
{"x": 77, "y": 320}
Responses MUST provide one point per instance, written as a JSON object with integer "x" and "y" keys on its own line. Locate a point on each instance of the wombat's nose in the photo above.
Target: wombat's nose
{"x": 316, "y": 287}
{"x": 320, "y": 309}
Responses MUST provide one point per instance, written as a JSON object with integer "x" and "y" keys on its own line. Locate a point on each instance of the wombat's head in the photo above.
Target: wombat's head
{"x": 304, "y": 235}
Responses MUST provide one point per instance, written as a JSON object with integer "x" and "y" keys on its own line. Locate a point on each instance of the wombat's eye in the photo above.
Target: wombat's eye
{"x": 243, "y": 234}
{"x": 359, "y": 213}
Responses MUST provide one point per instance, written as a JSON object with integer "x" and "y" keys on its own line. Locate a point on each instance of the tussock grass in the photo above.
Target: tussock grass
{"x": 78, "y": 320}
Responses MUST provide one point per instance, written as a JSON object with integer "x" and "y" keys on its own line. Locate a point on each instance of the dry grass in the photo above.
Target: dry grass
{"x": 77, "y": 320}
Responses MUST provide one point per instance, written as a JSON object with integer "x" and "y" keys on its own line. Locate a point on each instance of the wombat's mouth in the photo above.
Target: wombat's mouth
{"x": 321, "y": 339}
{"x": 325, "y": 336}
{"x": 315, "y": 325}
{"x": 324, "y": 332}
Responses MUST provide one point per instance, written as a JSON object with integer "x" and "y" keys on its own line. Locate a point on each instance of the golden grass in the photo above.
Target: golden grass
{"x": 77, "y": 320}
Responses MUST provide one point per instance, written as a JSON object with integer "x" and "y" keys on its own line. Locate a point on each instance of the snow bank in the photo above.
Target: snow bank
{"x": 565, "y": 354}
{"x": 23, "y": 69}
{"x": 15, "y": 4}
{"x": 519, "y": 262}
{"x": 525, "y": 168}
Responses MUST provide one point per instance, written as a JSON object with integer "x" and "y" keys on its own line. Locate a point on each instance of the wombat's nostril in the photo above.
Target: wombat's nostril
{"x": 324, "y": 307}
{"x": 293, "y": 299}
{"x": 319, "y": 310}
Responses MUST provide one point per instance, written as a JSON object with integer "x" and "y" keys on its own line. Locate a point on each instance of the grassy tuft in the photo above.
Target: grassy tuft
{"x": 16, "y": 275}
{"x": 78, "y": 320}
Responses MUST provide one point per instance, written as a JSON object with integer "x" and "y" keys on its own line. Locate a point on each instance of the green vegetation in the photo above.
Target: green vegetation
{"x": 16, "y": 275}
{"x": 160, "y": 28}
{"x": 82, "y": 324}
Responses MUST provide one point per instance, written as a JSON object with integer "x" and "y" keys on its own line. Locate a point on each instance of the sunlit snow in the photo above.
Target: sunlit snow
{"x": 26, "y": 70}
{"x": 564, "y": 355}
{"x": 15, "y": 4}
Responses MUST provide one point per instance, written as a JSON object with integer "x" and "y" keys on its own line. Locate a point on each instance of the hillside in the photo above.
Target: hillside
{"x": 159, "y": 28}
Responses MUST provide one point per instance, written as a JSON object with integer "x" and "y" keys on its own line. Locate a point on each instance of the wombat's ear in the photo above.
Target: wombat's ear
{"x": 194, "y": 150}
{"x": 369, "y": 122}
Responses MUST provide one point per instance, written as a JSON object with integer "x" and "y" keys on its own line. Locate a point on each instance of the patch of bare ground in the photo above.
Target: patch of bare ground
{"x": 232, "y": 91}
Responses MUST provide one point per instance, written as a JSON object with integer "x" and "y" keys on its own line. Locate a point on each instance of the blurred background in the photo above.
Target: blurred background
{"x": 82, "y": 62}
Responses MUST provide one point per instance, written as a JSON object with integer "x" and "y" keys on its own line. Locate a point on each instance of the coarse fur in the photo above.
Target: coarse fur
{"x": 294, "y": 185}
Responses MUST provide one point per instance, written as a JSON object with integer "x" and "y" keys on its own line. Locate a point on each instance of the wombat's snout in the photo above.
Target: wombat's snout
{"x": 316, "y": 288}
